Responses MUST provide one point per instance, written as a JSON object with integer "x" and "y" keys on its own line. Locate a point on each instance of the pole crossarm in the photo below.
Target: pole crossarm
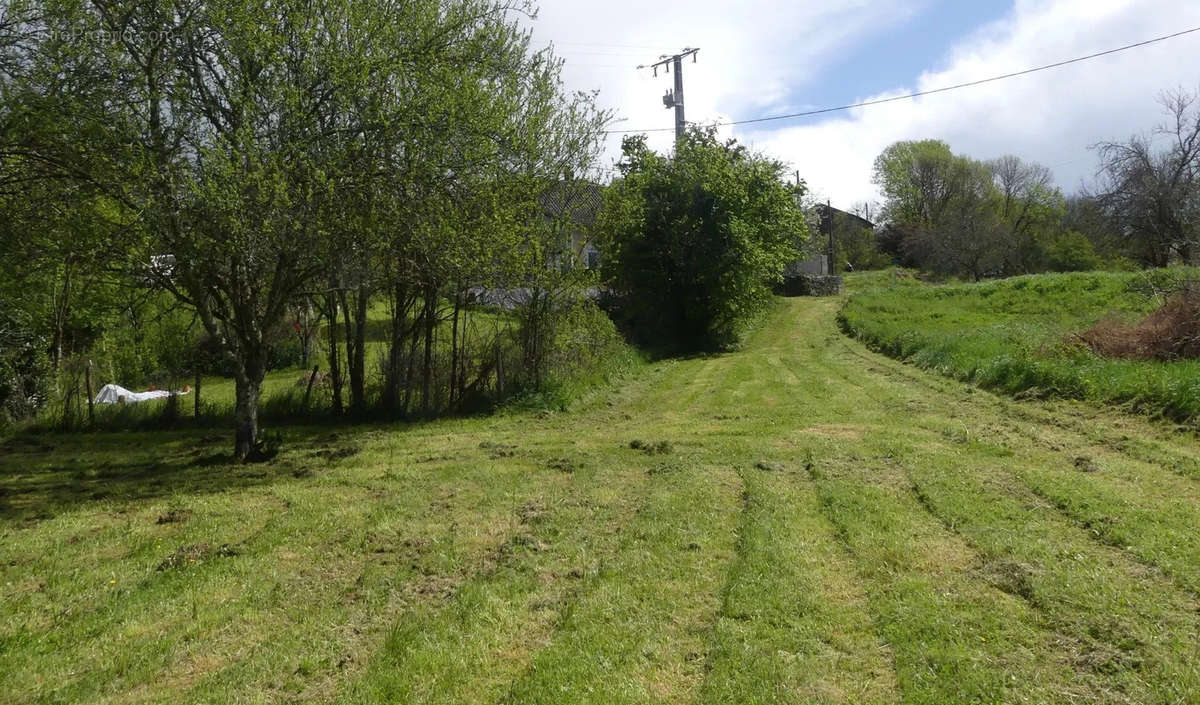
{"x": 674, "y": 99}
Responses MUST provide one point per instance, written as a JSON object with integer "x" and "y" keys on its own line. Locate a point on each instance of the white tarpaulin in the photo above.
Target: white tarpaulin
{"x": 113, "y": 394}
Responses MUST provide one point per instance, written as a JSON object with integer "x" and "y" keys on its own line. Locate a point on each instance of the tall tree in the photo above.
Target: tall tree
{"x": 224, "y": 134}
{"x": 919, "y": 180}
{"x": 1030, "y": 209}
{"x": 1152, "y": 193}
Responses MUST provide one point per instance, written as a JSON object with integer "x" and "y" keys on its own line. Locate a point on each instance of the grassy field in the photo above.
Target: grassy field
{"x": 1015, "y": 335}
{"x": 801, "y": 521}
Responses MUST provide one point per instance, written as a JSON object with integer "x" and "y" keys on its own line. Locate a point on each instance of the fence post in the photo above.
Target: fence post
{"x": 196, "y": 401}
{"x": 308, "y": 390}
{"x": 87, "y": 373}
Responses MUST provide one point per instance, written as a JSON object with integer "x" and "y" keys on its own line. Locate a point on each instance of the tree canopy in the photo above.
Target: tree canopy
{"x": 697, "y": 239}
{"x": 261, "y": 162}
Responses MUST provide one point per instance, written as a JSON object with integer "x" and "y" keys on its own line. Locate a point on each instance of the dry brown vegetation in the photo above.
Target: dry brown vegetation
{"x": 1172, "y": 332}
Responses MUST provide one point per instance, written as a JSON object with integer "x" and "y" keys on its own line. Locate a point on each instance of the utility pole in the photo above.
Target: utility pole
{"x": 832, "y": 244}
{"x": 674, "y": 99}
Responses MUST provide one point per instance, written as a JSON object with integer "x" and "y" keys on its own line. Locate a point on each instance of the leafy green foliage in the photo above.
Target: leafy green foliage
{"x": 857, "y": 246}
{"x": 955, "y": 216}
{"x": 1070, "y": 251}
{"x": 283, "y": 158}
{"x": 697, "y": 239}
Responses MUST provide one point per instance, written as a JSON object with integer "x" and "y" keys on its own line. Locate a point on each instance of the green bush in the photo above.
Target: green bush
{"x": 696, "y": 240}
{"x": 1070, "y": 252}
{"x": 583, "y": 348}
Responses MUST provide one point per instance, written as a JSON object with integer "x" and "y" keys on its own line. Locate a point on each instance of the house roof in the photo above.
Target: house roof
{"x": 577, "y": 200}
{"x": 823, "y": 210}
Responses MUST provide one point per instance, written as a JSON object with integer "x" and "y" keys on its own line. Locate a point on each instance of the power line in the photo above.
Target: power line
{"x": 622, "y": 46}
{"x": 617, "y": 54}
{"x": 919, "y": 94}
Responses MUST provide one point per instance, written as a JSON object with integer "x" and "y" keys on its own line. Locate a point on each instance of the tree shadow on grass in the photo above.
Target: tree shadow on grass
{"x": 44, "y": 475}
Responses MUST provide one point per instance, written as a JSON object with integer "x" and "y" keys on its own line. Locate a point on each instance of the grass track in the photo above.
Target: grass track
{"x": 828, "y": 526}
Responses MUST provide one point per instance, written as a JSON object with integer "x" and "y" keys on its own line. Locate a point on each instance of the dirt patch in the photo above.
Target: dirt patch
{"x": 173, "y": 516}
{"x": 342, "y": 453}
{"x": 196, "y": 553}
{"x": 532, "y": 513}
{"x": 435, "y": 459}
{"x": 652, "y": 448}
{"x": 1111, "y": 647}
{"x": 435, "y": 588}
{"x": 1011, "y": 577}
{"x": 498, "y": 450}
{"x": 844, "y": 432}
{"x": 563, "y": 465}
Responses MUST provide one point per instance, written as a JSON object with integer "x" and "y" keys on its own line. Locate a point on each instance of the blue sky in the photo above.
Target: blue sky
{"x": 895, "y": 55}
{"x": 764, "y": 57}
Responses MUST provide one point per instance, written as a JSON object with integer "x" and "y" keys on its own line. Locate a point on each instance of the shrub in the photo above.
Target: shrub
{"x": 1070, "y": 252}
{"x": 1170, "y": 333}
{"x": 697, "y": 240}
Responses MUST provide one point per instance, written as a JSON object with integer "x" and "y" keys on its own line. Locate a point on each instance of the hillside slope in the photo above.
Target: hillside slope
{"x": 1017, "y": 335}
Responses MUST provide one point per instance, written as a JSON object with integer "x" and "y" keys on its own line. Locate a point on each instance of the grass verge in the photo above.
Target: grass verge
{"x": 1016, "y": 336}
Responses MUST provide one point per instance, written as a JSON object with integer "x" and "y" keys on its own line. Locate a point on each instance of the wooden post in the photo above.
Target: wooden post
{"x": 499, "y": 373}
{"x": 196, "y": 391}
{"x": 832, "y": 246}
{"x": 308, "y": 391}
{"x": 87, "y": 373}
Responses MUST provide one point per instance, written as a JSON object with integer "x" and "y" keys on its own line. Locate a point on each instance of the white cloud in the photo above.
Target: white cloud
{"x": 1051, "y": 116}
{"x": 754, "y": 54}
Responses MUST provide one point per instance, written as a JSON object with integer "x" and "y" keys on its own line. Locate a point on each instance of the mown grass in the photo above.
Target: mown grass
{"x": 1016, "y": 335}
{"x": 816, "y": 524}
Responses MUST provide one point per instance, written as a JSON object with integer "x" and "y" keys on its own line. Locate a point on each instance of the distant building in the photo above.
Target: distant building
{"x": 574, "y": 206}
{"x": 824, "y": 220}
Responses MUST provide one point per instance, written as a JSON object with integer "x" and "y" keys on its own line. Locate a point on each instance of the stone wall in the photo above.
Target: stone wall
{"x": 817, "y": 264}
{"x": 810, "y": 285}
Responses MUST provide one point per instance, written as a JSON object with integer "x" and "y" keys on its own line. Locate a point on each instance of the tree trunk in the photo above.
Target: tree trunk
{"x": 454, "y": 353}
{"x": 308, "y": 390}
{"x": 400, "y": 329}
{"x": 413, "y": 338}
{"x": 335, "y": 370}
{"x": 358, "y": 387}
{"x": 248, "y": 385}
{"x": 62, "y": 307}
{"x": 355, "y": 322}
{"x": 302, "y": 332}
{"x": 348, "y": 332}
{"x": 430, "y": 328}
{"x": 91, "y": 402}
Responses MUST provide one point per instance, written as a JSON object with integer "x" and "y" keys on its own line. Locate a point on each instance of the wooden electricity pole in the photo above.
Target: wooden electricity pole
{"x": 674, "y": 99}
{"x": 832, "y": 243}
